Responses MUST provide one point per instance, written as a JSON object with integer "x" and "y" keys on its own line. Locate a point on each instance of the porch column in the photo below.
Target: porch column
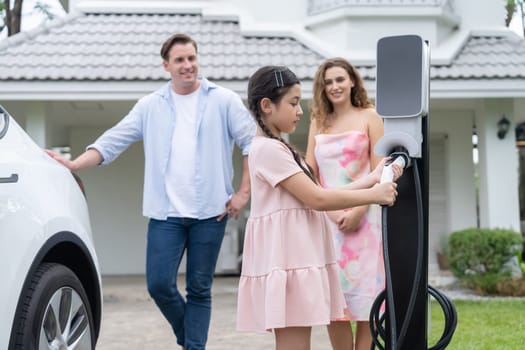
{"x": 498, "y": 167}
{"x": 36, "y": 125}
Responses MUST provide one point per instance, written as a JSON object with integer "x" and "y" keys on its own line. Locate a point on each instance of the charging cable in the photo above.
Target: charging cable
{"x": 377, "y": 319}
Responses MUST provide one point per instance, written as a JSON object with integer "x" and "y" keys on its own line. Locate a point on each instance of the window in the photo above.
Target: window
{"x": 520, "y": 143}
{"x": 4, "y": 121}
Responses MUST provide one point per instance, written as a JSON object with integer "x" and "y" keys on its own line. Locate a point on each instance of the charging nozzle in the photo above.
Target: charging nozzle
{"x": 401, "y": 154}
{"x": 399, "y": 158}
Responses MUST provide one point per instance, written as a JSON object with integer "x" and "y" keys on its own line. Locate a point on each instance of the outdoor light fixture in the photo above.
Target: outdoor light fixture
{"x": 503, "y": 127}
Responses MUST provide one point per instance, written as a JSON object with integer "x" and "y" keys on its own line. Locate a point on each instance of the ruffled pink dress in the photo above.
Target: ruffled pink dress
{"x": 343, "y": 158}
{"x": 289, "y": 275}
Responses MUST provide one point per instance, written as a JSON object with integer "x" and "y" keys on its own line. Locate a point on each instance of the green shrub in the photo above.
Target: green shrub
{"x": 478, "y": 256}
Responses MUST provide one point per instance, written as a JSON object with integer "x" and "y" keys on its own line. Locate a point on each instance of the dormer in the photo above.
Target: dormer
{"x": 359, "y": 24}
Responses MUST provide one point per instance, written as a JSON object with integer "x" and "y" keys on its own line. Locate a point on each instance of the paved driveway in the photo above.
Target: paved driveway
{"x": 131, "y": 320}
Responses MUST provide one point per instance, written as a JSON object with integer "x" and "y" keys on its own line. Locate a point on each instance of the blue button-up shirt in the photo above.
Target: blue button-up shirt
{"x": 222, "y": 119}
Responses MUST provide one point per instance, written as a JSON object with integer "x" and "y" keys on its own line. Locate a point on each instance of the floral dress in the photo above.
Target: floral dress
{"x": 343, "y": 158}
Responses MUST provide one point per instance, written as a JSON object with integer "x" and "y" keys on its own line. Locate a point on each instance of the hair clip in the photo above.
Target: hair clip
{"x": 279, "y": 78}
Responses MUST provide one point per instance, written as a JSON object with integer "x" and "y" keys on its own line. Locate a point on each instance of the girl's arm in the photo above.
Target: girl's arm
{"x": 318, "y": 198}
{"x": 369, "y": 180}
{"x": 374, "y": 177}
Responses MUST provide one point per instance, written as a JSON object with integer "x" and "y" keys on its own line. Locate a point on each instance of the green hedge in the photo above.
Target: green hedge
{"x": 477, "y": 256}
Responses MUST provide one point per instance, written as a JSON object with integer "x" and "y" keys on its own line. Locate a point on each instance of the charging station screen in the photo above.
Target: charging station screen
{"x": 399, "y": 90}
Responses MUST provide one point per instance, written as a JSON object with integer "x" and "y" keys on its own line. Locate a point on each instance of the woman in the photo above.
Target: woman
{"x": 343, "y": 132}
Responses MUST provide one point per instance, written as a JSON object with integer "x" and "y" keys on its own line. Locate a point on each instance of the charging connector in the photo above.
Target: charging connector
{"x": 400, "y": 159}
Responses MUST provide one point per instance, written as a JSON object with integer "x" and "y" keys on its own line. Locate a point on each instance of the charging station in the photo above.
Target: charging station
{"x": 402, "y": 100}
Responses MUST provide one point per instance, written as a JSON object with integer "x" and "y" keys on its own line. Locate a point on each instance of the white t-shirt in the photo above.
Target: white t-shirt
{"x": 180, "y": 175}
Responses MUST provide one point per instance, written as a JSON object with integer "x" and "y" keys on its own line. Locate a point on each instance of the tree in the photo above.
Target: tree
{"x": 11, "y": 14}
{"x": 514, "y": 7}
{"x": 2, "y": 24}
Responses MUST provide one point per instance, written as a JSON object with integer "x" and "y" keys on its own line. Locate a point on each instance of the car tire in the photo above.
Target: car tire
{"x": 56, "y": 312}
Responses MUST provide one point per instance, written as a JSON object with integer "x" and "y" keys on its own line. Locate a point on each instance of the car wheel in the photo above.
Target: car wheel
{"x": 56, "y": 312}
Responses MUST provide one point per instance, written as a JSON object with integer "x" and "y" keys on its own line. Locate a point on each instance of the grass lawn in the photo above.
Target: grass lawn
{"x": 483, "y": 325}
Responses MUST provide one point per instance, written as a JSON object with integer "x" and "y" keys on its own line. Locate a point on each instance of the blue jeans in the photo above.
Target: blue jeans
{"x": 167, "y": 241}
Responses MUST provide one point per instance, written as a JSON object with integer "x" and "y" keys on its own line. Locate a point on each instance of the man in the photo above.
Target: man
{"x": 188, "y": 128}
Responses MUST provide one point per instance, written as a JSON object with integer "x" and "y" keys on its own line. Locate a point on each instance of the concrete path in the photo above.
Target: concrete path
{"x": 131, "y": 320}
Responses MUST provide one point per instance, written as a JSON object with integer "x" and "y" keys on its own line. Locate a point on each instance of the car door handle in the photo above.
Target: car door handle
{"x": 10, "y": 179}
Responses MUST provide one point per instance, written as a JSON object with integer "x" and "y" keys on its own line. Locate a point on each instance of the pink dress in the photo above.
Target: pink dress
{"x": 342, "y": 158}
{"x": 289, "y": 273}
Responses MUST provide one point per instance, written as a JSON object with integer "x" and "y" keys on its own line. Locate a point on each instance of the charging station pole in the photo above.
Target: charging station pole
{"x": 402, "y": 99}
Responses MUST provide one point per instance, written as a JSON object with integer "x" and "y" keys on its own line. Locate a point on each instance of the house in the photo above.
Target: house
{"x": 69, "y": 80}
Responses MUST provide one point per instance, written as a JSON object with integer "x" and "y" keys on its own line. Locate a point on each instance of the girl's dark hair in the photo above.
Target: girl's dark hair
{"x": 273, "y": 82}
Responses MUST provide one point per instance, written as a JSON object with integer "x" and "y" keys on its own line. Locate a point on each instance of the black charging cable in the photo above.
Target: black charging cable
{"x": 377, "y": 319}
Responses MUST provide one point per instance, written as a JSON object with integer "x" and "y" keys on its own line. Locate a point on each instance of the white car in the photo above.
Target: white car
{"x": 50, "y": 294}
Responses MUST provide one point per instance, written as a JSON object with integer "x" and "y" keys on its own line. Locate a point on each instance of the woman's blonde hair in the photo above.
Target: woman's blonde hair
{"x": 322, "y": 108}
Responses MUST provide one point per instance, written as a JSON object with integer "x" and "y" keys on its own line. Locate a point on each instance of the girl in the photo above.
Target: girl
{"x": 344, "y": 130}
{"x": 289, "y": 277}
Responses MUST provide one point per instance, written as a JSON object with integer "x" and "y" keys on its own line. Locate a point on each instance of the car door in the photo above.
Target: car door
{"x": 50, "y": 294}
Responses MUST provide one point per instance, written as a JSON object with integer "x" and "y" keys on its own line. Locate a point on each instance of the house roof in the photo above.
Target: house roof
{"x": 481, "y": 57}
{"x": 490, "y": 57}
{"x": 125, "y": 47}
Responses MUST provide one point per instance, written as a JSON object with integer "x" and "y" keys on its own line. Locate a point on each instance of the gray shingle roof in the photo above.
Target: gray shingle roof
{"x": 482, "y": 57}
{"x": 125, "y": 47}
{"x": 486, "y": 57}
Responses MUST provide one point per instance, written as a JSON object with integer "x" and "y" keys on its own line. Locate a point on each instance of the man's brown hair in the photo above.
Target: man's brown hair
{"x": 175, "y": 39}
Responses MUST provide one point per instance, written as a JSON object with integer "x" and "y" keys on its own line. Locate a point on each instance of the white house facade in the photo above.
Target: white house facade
{"x": 68, "y": 81}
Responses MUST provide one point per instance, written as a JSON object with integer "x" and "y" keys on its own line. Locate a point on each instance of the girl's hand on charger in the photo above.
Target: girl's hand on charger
{"x": 386, "y": 193}
{"x": 376, "y": 173}
{"x": 398, "y": 171}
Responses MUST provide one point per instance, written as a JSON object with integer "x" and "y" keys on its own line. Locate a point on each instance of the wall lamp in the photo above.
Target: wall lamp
{"x": 503, "y": 127}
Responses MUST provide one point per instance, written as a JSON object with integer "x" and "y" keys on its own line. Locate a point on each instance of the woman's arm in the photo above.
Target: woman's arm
{"x": 375, "y": 132}
{"x": 310, "y": 155}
